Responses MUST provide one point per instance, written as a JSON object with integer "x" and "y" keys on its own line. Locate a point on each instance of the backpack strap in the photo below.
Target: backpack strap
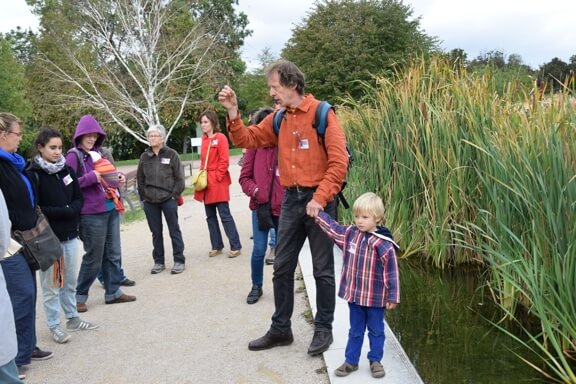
{"x": 80, "y": 159}
{"x": 278, "y": 117}
{"x": 321, "y": 118}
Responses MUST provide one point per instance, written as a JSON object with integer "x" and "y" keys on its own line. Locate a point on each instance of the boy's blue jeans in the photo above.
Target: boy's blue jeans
{"x": 360, "y": 319}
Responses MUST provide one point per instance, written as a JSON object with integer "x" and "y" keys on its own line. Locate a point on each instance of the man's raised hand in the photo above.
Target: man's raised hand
{"x": 227, "y": 97}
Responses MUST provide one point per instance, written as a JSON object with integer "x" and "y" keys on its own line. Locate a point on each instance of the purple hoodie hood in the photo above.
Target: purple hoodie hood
{"x": 88, "y": 124}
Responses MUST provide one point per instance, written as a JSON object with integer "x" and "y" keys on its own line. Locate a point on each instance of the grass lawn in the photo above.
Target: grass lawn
{"x": 186, "y": 157}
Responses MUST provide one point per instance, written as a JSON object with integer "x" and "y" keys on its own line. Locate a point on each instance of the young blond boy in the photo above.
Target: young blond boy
{"x": 369, "y": 281}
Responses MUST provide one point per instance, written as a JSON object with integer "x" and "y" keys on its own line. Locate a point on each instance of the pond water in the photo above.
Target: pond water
{"x": 443, "y": 325}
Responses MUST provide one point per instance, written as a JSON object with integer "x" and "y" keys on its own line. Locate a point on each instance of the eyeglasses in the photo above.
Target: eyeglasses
{"x": 151, "y": 136}
{"x": 19, "y": 134}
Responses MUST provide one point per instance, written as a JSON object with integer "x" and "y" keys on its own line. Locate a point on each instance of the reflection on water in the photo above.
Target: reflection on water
{"x": 442, "y": 325}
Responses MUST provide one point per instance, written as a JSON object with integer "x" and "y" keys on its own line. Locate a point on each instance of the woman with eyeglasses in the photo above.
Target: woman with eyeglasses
{"x": 160, "y": 179}
{"x": 20, "y": 278}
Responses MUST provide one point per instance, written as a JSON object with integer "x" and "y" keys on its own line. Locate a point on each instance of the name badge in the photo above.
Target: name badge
{"x": 352, "y": 248}
{"x": 303, "y": 144}
{"x": 67, "y": 180}
{"x": 165, "y": 161}
{"x": 277, "y": 172}
{"x": 215, "y": 142}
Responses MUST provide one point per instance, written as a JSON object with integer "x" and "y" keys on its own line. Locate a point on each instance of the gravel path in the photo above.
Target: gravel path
{"x": 188, "y": 328}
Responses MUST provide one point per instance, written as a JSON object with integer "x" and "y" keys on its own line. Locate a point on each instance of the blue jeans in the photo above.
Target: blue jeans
{"x": 361, "y": 318}
{"x": 101, "y": 277}
{"x": 154, "y": 217}
{"x": 65, "y": 297}
{"x": 21, "y": 286}
{"x": 227, "y": 223}
{"x": 260, "y": 238}
{"x": 100, "y": 235}
{"x": 294, "y": 227}
{"x": 9, "y": 373}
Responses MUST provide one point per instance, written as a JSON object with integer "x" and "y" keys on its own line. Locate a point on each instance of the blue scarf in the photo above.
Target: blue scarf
{"x": 19, "y": 163}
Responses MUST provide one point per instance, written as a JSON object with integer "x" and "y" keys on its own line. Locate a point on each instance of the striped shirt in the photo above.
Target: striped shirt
{"x": 369, "y": 267}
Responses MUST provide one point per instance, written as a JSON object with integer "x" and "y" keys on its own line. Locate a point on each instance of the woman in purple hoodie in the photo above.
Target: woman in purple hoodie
{"x": 99, "y": 219}
{"x": 260, "y": 173}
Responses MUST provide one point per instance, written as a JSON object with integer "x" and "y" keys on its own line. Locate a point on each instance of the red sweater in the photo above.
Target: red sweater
{"x": 258, "y": 168}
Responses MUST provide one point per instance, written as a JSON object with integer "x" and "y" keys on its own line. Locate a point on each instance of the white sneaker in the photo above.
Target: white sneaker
{"x": 59, "y": 335}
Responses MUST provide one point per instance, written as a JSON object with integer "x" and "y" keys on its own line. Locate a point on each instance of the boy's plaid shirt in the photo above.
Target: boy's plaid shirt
{"x": 369, "y": 267}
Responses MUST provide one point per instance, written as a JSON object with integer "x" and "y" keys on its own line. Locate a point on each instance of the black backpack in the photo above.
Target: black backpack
{"x": 320, "y": 119}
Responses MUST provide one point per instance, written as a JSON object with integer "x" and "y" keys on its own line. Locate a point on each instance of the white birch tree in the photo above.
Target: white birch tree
{"x": 138, "y": 70}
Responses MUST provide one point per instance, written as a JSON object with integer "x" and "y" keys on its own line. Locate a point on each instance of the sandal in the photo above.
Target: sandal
{"x": 345, "y": 369}
{"x": 377, "y": 369}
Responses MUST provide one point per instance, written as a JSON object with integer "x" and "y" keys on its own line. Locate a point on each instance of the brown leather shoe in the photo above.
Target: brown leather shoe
{"x": 271, "y": 340}
{"x": 124, "y": 298}
{"x": 81, "y": 307}
{"x": 234, "y": 253}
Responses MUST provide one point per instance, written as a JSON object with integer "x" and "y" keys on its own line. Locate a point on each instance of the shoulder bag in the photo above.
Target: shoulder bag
{"x": 264, "y": 211}
{"x": 40, "y": 244}
{"x": 200, "y": 179}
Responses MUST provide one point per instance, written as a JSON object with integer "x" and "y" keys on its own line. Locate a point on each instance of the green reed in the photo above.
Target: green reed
{"x": 470, "y": 176}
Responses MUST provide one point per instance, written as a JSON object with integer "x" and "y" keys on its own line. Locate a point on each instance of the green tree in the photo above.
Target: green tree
{"x": 253, "y": 87}
{"x": 508, "y": 73}
{"x": 12, "y": 82}
{"x": 344, "y": 42}
{"x": 555, "y": 73}
{"x": 458, "y": 56}
{"x": 23, "y": 44}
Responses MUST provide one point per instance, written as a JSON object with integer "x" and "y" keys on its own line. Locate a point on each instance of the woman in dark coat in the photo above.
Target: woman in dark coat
{"x": 21, "y": 201}
{"x": 60, "y": 199}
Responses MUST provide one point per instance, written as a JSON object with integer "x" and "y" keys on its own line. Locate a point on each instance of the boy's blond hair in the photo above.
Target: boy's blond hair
{"x": 369, "y": 203}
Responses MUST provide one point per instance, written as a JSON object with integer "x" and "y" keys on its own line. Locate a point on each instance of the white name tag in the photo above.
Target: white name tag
{"x": 67, "y": 180}
{"x": 165, "y": 160}
{"x": 215, "y": 142}
{"x": 352, "y": 248}
{"x": 303, "y": 144}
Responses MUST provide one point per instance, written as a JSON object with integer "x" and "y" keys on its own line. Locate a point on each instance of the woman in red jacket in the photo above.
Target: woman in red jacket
{"x": 217, "y": 194}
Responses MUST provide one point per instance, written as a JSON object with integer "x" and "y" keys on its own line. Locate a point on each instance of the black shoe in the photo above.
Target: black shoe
{"x": 254, "y": 294}
{"x": 21, "y": 372}
{"x": 270, "y": 340}
{"x": 39, "y": 354}
{"x": 320, "y": 342}
{"x": 127, "y": 283}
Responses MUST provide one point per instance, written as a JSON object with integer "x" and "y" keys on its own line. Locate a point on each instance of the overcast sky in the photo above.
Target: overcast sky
{"x": 537, "y": 30}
